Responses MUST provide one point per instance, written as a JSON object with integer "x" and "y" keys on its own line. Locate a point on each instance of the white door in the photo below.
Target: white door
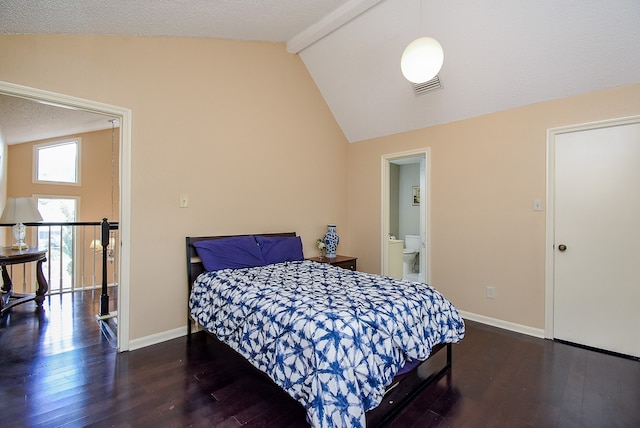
{"x": 597, "y": 238}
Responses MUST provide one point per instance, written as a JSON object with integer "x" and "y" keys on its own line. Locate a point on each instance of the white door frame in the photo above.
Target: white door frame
{"x": 550, "y": 229}
{"x": 124, "y": 117}
{"x": 425, "y": 206}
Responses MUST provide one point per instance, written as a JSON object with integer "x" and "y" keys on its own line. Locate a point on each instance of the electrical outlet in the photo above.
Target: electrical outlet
{"x": 491, "y": 292}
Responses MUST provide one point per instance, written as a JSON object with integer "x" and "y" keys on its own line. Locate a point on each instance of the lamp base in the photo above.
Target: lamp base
{"x": 19, "y": 246}
{"x": 19, "y": 233}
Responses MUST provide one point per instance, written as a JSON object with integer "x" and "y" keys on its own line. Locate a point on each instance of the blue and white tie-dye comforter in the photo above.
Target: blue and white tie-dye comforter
{"x": 332, "y": 338}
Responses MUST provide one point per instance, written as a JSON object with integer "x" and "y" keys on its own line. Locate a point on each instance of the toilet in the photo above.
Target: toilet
{"x": 410, "y": 255}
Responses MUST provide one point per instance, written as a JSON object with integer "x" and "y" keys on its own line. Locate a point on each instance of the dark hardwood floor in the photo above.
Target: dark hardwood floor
{"x": 58, "y": 369}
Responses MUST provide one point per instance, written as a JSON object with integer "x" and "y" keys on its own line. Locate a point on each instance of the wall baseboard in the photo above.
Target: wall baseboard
{"x": 157, "y": 338}
{"x": 154, "y": 339}
{"x": 505, "y": 325}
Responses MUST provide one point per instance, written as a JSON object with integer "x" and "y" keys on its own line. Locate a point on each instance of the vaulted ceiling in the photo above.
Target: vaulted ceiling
{"x": 499, "y": 54}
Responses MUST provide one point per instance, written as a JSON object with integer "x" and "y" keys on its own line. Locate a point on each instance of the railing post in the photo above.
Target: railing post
{"x": 104, "y": 298}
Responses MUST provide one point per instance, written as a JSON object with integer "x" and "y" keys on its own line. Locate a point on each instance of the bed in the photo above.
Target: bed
{"x": 336, "y": 340}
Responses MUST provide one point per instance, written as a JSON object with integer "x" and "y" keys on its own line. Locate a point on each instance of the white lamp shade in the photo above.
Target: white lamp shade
{"x": 20, "y": 210}
{"x": 422, "y": 60}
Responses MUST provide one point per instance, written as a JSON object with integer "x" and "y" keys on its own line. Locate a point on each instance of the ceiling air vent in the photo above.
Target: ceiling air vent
{"x": 429, "y": 85}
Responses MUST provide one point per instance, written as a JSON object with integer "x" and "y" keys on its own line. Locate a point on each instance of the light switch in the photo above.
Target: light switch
{"x": 184, "y": 200}
{"x": 537, "y": 204}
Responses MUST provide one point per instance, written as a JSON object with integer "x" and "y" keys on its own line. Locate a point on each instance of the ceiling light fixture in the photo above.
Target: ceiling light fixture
{"x": 422, "y": 59}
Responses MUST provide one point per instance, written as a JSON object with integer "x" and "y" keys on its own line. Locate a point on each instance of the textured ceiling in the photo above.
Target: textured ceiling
{"x": 268, "y": 20}
{"x": 499, "y": 54}
{"x": 23, "y": 120}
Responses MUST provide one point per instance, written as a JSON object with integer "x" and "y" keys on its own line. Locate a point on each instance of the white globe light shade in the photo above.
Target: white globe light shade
{"x": 422, "y": 60}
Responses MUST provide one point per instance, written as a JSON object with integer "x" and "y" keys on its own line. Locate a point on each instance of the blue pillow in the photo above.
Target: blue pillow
{"x": 280, "y": 249}
{"x": 229, "y": 253}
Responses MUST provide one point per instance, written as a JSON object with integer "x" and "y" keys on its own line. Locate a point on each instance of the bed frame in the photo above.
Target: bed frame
{"x": 195, "y": 266}
{"x": 404, "y": 388}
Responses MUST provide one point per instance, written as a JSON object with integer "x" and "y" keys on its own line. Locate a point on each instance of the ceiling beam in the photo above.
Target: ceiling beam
{"x": 328, "y": 24}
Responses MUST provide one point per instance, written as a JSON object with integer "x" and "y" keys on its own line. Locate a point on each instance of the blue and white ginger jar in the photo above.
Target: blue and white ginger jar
{"x": 331, "y": 240}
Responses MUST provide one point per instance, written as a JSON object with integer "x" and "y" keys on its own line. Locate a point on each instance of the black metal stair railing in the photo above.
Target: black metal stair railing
{"x": 80, "y": 256}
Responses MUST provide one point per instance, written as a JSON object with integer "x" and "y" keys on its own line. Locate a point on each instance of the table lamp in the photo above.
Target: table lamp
{"x": 20, "y": 211}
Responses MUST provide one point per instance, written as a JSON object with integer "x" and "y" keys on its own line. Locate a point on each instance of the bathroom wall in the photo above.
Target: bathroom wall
{"x": 408, "y": 214}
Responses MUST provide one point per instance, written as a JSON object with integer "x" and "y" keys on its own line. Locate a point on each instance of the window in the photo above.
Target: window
{"x": 57, "y": 162}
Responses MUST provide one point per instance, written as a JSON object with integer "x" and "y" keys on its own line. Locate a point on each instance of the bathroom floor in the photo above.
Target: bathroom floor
{"x": 414, "y": 277}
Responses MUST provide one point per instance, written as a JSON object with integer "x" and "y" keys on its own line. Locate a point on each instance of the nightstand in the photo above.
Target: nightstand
{"x": 345, "y": 262}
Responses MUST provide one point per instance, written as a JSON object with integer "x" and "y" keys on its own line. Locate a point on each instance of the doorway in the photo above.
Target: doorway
{"x": 405, "y": 196}
{"x": 123, "y": 115}
{"x": 593, "y": 230}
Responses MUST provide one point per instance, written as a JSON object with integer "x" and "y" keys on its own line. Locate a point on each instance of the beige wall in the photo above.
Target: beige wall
{"x": 94, "y": 191}
{"x": 238, "y": 126}
{"x": 241, "y": 128}
{"x": 485, "y": 174}
{"x": 95, "y": 176}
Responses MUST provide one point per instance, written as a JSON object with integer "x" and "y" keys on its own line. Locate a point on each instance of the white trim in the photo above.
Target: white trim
{"x": 154, "y": 339}
{"x": 125, "y": 231}
{"x": 550, "y": 237}
{"x": 549, "y": 289}
{"x": 505, "y": 325}
{"x": 385, "y": 210}
{"x": 329, "y": 24}
{"x": 35, "y": 161}
{"x": 427, "y": 214}
{"x": 124, "y": 117}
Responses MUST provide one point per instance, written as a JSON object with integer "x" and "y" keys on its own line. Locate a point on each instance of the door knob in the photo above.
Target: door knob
{"x": 562, "y": 247}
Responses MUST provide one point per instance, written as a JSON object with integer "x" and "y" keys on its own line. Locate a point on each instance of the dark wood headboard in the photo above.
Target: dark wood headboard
{"x": 194, "y": 264}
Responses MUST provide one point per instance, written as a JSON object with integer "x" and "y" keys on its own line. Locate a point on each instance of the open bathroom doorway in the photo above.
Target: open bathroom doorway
{"x": 405, "y": 215}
